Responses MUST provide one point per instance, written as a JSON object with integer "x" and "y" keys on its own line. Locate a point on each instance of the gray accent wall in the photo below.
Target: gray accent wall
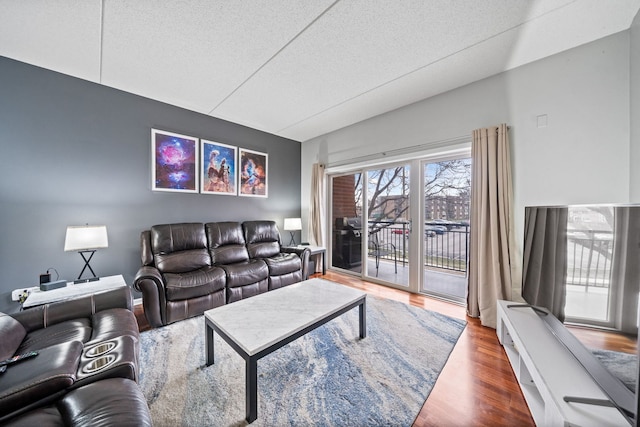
{"x": 75, "y": 152}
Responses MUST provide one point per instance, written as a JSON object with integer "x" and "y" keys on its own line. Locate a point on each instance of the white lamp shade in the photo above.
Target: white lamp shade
{"x": 292, "y": 224}
{"x": 84, "y": 237}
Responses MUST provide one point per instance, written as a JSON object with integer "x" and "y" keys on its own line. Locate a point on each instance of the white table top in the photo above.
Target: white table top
{"x": 38, "y": 297}
{"x": 313, "y": 249}
{"x": 258, "y": 322}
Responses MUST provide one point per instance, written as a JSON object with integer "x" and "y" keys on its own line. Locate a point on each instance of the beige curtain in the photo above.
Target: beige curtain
{"x": 491, "y": 246}
{"x": 316, "y": 212}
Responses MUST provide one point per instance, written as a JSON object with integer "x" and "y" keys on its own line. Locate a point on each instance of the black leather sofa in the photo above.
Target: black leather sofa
{"x": 188, "y": 268}
{"x": 86, "y": 368}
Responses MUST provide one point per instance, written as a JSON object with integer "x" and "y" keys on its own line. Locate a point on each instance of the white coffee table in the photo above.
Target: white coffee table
{"x": 257, "y": 326}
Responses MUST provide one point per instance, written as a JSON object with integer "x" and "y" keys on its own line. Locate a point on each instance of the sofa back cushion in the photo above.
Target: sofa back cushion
{"x": 262, "y": 237}
{"x": 226, "y": 243}
{"x": 12, "y": 333}
{"x": 179, "y": 248}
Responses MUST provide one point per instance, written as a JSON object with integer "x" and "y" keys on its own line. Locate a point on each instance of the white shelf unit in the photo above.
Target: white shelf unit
{"x": 547, "y": 372}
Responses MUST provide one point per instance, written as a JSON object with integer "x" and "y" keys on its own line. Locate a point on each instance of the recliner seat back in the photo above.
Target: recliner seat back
{"x": 179, "y": 248}
{"x": 226, "y": 243}
{"x": 263, "y": 238}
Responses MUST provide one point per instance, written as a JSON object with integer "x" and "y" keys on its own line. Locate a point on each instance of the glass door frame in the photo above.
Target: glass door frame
{"x": 416, "y": 208}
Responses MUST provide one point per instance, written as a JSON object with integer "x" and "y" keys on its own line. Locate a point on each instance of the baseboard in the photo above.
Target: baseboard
{"x": 137, "y": 301}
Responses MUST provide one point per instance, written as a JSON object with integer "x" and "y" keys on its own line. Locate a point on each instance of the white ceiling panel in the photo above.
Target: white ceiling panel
{"x": 294, "y": 68}
{"x": 61, "y": 35}
{"x": 361, "y": 45}
{"x": 195, "y": 53}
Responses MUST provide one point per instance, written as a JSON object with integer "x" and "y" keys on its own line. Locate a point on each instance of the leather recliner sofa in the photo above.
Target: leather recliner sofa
{"x": 85, "y": 371}
{"x": 188, "y": 268}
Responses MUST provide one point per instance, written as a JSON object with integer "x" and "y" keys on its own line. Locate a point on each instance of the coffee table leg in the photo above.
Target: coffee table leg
{"x": 363, "y": 318}
{"x": 252, "y": 389}
{"x": 209, "y": 344}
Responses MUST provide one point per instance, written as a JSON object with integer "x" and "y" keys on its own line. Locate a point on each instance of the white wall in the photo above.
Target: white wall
{"x": 635, "y": 109}
{"x": 582, "y": 156}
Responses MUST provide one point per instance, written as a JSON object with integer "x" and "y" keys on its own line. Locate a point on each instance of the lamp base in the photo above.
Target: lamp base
{"x": 91, "y": 279}
{"x": 292, "y": 242}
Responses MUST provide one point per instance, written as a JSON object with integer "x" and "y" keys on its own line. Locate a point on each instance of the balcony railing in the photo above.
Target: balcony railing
{"x": 589, "y": 257}
{"x": 445, "y": 246}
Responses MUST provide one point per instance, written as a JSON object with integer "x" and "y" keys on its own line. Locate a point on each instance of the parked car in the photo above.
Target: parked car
{"x": 438, "y": 229}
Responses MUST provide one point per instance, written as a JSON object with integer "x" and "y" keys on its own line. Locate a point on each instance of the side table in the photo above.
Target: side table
{"x": 38, "y": 297}
{"x": 318, "y": 250}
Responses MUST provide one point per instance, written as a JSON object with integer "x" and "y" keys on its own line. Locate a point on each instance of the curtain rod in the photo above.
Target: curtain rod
{"x": 400, "y": 151}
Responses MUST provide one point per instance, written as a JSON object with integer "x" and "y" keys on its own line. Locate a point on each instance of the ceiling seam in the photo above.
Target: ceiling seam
{"x": 275, "y": 55}
{"x": 423, "y": 67}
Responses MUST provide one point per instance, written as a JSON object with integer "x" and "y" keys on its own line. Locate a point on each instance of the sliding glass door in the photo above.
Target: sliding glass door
{"x": 388, "y": 225}
{"x": 405, "y": 224}
{"x": 346, "y": 222}
{"x": 447, "y": 189}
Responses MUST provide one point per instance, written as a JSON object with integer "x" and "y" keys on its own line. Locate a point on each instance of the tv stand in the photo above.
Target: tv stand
{"x": 547, "y": 373}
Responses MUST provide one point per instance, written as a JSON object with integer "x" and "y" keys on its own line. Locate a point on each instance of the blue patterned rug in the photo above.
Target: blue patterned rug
{"x": 623, "y": 365}
{"x": 328, "y": 377}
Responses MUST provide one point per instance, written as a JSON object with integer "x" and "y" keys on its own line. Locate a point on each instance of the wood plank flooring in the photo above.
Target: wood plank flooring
{"x": 477, "y": 386}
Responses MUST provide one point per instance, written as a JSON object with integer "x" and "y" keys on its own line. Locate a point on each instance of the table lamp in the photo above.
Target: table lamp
{"x": 85, "y": 239}
{"x": 292, "y": 225}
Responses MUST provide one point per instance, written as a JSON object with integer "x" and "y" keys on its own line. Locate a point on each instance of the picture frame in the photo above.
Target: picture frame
{"x": 218, "y": 168}
{"x": 173, "y": 162}
{"x": 253, "y": 173}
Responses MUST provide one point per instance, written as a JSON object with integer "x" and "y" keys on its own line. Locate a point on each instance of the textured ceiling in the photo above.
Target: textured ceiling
{"x": 295, "y": 68}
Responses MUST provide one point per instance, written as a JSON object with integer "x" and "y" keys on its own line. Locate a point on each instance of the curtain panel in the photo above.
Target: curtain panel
{"x": 317, "y": 207}
{"x": 491, "y": 236}
{"x": 544, "y": 272}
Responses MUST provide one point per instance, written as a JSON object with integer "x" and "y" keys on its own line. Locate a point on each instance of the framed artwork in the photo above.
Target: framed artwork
{"x": 253, "y": 173}
{"x": 173, "y": 163}
{"x": 218, "y": 168}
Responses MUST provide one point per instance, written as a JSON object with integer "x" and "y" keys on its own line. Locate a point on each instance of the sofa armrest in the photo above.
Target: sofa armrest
{"x": 82, "y": 307}
{"x": 303, "y": 253}
{"x": 149, "y": 281}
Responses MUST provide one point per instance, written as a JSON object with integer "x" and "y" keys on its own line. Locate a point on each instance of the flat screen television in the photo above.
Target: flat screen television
{"x": 581, "y": 264}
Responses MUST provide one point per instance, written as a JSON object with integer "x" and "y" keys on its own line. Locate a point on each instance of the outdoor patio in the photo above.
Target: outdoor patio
{"x": 450, "y": 285}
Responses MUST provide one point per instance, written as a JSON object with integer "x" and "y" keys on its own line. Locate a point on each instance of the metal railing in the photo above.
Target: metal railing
{"x": 589, "y": 255}
{"x": 445, "y": 246}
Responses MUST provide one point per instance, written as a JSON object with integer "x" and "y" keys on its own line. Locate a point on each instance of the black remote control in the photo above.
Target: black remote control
{"x": 18, "y": 358}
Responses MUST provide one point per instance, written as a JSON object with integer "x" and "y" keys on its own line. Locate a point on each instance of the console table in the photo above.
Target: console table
{"x": 38, "y": 297}
{"x": 547, "y": 372}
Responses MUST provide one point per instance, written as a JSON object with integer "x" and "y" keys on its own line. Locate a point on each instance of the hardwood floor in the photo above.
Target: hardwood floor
{"x": 477, "y": 386}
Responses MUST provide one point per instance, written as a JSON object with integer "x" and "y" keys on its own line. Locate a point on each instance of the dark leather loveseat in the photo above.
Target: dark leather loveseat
{"x": 188, "y": 268}
{"x": 86, "y": 368}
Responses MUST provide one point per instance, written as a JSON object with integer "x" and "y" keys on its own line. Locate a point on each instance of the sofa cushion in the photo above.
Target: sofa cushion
{"x": 183, "y": 261}
{"x": 262, "y": 238}
{"x": 179, "y": 248}
{"x": 283, "y": 264}
{"x": 226, "y": 242}
{"x": 168, "y": 238}
{"x": 71, "y": 330}
{"x": 12, "y": 333}
{"x": 52, "y": 371}
{"x": 246, "y": 273}
{"x": 110, "y": 402}
{"x": 112, "y": 323}
{"x": 193, "y": 284}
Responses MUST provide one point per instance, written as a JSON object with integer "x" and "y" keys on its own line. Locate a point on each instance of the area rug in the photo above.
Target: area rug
{"x": 623, "y": 365}
{"x": 329, "y": 377}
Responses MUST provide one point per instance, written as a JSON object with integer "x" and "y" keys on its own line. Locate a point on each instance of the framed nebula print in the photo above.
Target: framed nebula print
{"x": 253, "y": 173}
{"x": 218, "y": 169}
{"x": 173, "y": 162}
